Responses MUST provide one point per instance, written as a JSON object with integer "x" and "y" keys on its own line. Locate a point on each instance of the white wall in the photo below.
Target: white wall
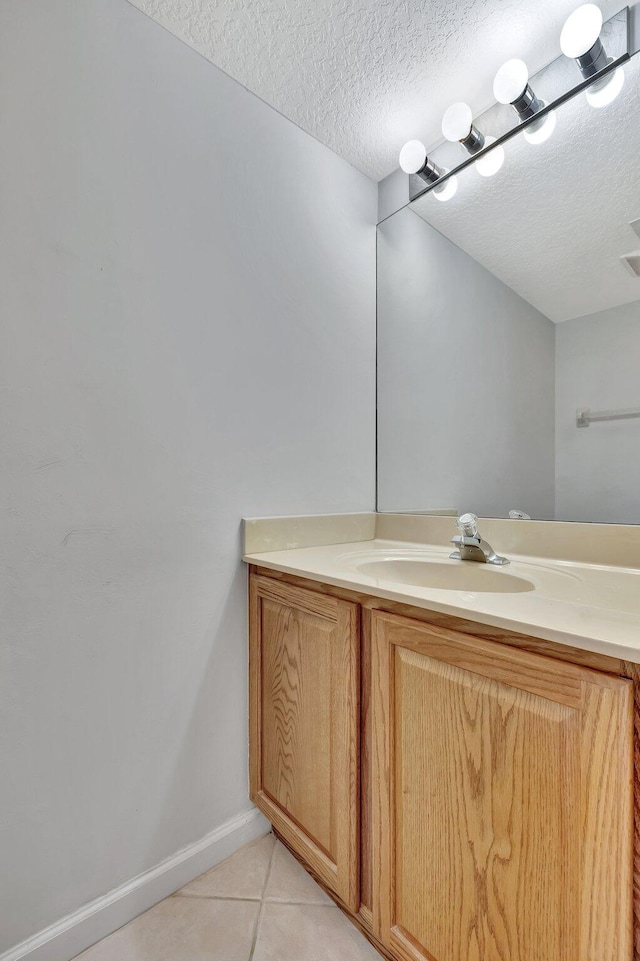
{"x": 465, "y": 382}
{"x": 188, "y": 310}
{"x": 598, "y": 467}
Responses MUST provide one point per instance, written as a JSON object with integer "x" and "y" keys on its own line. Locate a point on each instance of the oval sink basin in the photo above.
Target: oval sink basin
{"x": 454, "y": 576}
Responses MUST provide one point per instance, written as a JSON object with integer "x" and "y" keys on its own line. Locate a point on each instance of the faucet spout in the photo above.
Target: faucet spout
{"x": 471, "y": 546}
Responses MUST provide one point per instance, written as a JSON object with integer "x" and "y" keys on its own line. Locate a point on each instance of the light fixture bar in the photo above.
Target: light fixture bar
{"x": 555, "y": 84}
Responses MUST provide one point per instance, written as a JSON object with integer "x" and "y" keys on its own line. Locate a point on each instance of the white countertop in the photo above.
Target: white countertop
{"x": 586, "y": 606}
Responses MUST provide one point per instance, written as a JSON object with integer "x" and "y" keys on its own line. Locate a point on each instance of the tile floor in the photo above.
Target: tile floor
{"x": 258, "y": 905}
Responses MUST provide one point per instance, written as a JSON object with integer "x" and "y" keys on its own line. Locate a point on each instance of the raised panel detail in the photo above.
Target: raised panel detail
{"x": 304, "y": 726}
{"x": 296, "y": 716}
{"x": 501, "y": 802}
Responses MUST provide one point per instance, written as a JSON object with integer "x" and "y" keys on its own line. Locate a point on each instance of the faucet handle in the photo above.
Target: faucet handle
{"x": 467, "y": 524}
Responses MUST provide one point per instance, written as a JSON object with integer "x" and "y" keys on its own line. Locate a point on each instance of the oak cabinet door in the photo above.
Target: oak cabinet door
{"x": 502, "y": 801}
{"x": 304, "y": 679}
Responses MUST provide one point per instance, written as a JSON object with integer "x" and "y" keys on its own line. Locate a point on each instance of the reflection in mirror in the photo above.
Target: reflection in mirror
{"x": 504, "y": 312}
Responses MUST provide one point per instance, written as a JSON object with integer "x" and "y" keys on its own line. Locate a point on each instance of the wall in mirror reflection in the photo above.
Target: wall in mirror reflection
{"x": 478, "y": 391}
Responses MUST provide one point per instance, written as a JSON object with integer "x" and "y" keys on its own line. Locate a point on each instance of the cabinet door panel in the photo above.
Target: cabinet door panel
{"x": 304, "y": 725}
{"x": 502, "y": 801}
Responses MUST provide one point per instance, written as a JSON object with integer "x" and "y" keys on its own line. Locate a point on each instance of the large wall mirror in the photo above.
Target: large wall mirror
{"x": 505, "y": 311}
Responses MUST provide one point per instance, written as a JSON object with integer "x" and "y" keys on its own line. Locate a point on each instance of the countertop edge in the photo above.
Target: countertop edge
{"x": 526, "y": 628}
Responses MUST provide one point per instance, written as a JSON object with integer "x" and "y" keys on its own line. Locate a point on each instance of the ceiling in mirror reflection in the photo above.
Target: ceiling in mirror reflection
{"x": 555, "y": 222}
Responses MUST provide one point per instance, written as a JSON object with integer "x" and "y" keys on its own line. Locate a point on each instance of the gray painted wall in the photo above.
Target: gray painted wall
{"x": 187, "y": 289}
{"x": 465, "y": 382}
{"x": 598, "y": 468}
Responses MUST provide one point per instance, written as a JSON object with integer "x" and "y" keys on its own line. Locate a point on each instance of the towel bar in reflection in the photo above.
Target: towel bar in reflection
{"x": 584, "y": 416}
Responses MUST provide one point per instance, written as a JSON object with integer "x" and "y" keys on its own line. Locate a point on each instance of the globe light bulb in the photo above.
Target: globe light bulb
{"x": 447, "y": 190}
{"x": 581, "y": 31}
{"x": 510, "y": 81}
{"x": 457, "y": 121}
{"x": 541, "y": 130}
{"x": 490, "y": 163}
{"x": 604, "y": 91}
{"x": 413, "y": 157}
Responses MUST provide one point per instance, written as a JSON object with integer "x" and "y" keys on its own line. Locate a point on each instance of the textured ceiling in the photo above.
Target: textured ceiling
{"x": 554, "y": 222}
{"x": 363, "y": 77}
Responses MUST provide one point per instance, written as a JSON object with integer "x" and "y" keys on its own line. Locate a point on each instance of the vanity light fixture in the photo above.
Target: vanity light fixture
{"x": 414, "y": 160}
{"x": 457, "y": 125}
{"x": 511, "y": 86}
{"x": 580, "y": 40}
{"x": 601, "y": 79}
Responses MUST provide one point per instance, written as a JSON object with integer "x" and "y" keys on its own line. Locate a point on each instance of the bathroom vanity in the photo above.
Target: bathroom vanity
{"x": 449, "y": 746}
{"x": 464, "y": 790}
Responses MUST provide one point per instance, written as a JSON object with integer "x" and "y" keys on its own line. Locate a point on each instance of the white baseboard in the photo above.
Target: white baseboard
{"x": 92, "y": 922}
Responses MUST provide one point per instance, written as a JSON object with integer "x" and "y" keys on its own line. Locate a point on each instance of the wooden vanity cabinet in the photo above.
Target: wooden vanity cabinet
{"x": 466, "y": 799}
{"x": 304, "y": 726}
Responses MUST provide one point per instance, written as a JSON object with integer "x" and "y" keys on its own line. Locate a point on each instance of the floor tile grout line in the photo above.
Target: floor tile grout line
{"x": 269, "y": 868}
{"x": 231, "y": 897}
{"x": 214, "y": 897}
{"x": 256, "y": 931}
{"x": 303, "y": 904}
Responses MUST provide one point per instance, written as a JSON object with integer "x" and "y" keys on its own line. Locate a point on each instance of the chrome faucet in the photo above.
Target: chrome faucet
{"x": 472, "y": 547}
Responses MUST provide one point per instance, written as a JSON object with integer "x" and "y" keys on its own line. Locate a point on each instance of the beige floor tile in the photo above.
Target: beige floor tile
{"x": 309, "y": 932}
{"x": 288, "y": 881}
{"x": 183, "y": 929}
{"x": 241, "y": 876}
